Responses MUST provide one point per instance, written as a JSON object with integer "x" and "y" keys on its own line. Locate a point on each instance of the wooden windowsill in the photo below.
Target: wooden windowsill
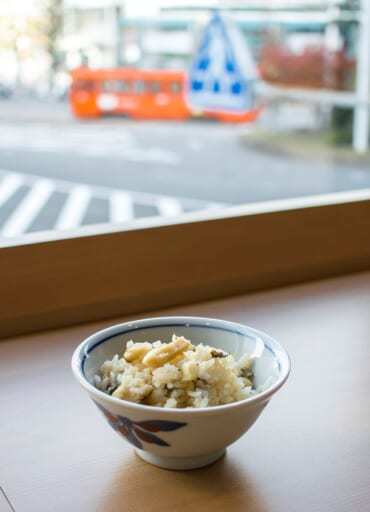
{"x": 309, "y": 451}
{"x": 96, "y": 273}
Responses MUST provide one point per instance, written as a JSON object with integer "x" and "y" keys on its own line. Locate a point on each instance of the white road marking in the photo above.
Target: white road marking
{"x": 121, "y": 202}
{"x": 8, "y": 186}
{"x": 169, "y": 207}
{"x": 105, "y": 192}
{"x": 28, "y": 209}
{"x": 121, "y": 207}
{"x": 74, "y": 208}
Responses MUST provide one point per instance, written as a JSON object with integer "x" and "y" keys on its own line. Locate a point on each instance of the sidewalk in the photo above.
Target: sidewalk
{"x": 305, "y": 145}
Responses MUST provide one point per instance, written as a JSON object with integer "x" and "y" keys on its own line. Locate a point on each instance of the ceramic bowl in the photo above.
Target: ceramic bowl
{"x": 183, "y": 438}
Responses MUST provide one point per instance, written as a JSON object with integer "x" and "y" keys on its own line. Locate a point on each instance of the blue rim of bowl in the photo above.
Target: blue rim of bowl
{"x": 85, "y": 348}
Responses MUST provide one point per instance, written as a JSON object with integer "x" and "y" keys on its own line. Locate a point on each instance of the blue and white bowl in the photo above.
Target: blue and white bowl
{"x": 183, "y": 438}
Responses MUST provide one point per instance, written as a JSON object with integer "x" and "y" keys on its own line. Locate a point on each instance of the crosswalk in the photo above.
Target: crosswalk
{"x": 34, "y": 201}
{"x": 30, "y": 203}
{"x": 74, "y": 208}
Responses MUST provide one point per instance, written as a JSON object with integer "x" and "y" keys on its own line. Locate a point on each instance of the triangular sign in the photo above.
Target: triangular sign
{"x": 223, "y": 72}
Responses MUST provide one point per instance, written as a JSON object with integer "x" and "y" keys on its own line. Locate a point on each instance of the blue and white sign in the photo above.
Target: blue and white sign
{"x": 223, "y": 72}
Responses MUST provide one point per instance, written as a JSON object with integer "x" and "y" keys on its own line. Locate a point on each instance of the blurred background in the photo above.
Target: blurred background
{"x": 111, "y": 111}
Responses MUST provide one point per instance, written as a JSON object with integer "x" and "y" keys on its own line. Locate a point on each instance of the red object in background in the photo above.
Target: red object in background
{"x": 135, "y": 93}
{"x": 139, "y": 94}
{"x": 315, "y": 67}
{"x": 230, "y": 117}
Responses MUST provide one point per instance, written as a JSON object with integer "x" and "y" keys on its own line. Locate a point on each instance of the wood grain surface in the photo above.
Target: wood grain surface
{"x": 61, "y": 282}
{"x": 309, "y": 451}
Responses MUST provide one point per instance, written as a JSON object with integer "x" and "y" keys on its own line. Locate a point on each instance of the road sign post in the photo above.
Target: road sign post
{"x": 223, "y": 73}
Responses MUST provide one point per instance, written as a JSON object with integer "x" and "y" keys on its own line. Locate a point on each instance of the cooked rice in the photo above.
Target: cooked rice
{"x": 176, "y": 375}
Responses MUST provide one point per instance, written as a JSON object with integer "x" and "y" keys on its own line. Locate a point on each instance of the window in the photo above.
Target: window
{"x": 257, "y": 176}
{"x": 114, "y": 86}
{"x": 138, "y": 86}
{"x": 84, "y": 85}
{"x": 175, "y": 87}
{"x": 125, "y": 86}
{"x": 109, "y": 86}
{"x": 153, "y": 87}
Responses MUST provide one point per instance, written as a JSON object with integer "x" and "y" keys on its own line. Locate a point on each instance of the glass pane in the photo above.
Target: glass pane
{"x": 185, "y": 109}
{"x": 175, "y": 87}
{"x": 153, "y": 87}
{"x": 125, "y": 86}
{"x": 138, "y": 86}
{"x": 83, "y": 85}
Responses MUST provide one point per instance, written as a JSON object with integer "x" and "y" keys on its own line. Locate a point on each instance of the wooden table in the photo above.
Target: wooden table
{"x": 309, "y": 451}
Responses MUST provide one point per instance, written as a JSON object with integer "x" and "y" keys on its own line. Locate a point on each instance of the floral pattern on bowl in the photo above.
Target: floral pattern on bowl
{"x": 137, "y": 431}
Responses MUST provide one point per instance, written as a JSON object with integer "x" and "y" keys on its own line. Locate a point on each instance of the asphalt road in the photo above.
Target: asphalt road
{"x": 58, "y": 173}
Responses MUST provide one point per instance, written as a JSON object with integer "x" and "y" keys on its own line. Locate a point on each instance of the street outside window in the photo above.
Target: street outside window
{"x": 111, "y": 114}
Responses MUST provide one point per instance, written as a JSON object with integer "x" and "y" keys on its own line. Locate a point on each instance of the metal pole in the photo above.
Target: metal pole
{"x": 361, "y": 113}
{"x": 117, "y": 13}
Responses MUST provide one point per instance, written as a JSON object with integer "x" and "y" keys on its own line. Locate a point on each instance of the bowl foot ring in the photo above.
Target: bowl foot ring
{"x": 180, "y": 463}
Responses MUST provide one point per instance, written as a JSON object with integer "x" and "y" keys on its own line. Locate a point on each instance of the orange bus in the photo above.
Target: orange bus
{"x": 139, "y": 94}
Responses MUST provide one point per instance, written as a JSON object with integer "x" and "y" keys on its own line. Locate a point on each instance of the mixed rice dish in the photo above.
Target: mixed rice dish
{"x": 176, "y": 375}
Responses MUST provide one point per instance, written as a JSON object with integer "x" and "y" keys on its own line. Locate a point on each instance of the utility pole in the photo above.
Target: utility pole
{"x": 118, "y": 11}
{"x": 362, "y": 113}
{"x": 53, "y": 12}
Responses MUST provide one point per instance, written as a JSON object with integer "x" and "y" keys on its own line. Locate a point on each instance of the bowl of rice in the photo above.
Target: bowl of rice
{"x": 180, "y": 389}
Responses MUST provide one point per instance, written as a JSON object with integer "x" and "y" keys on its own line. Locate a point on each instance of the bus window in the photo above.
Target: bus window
{"x": 138, "y": 86}
{"x": 125, "y": 86}
{"x": 83, "y": 85}
{"x": 175, "y": 87}
{"x": 153, "y": 87}
{"x": 116, "y": 86}
{"x": 111, "y": 86}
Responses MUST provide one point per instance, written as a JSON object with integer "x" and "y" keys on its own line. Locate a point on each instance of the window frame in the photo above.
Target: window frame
{"x": 57, "y": 279}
